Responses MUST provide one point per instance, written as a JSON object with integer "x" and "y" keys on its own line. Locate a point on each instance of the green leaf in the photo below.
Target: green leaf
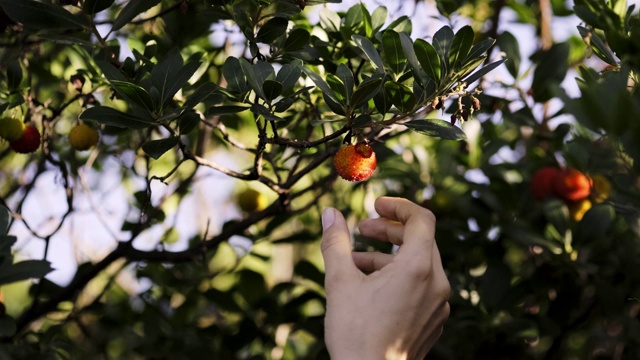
{"x": 509, "y": 45}
{"x": 338, "y": 88}
{"x": 321, "y": 84}
{"x": 171, "y": 74}
{"x": 232, "y": 71}
{"x": 28, "y": 269}
{"x": 428, "y": 59}
{"x": 110, "y": 71}
{"x": 252, "y": 79}
{"x": 14, "y": 75}
{"x": 437, "y": 128}
{"x": 92, "y": 7}
{"x": 479, "y": 49}
{"x": 557, "y": 214}
{"x": 289, "y": 74}
{"x": 272, "y": 29}
{"x": 370, "y": 51}
{"x": 201, "y": 94}
{"x": 296, "y": 40}
{"x": 7, "y": 329}
{"x": 109, "y": 116}
{"x": 599, "y": 47}
{"x": 131, "y": 10}
{"x": 260, "y": 110}
{"x": 226, "y": 109}
{"x": 442, "y": 41}
{"x": 188, "y": 122}
{"x": 552, "y": 67}
{"x": 393, "y": 51}
{"x": 410, "y": 53}
{"x": 133, "y": 94}
{"x": 462, "y": 42}
{"x": 378, "y": 18}
{"x": 40, "y": 15}
{"x": 401, "y": 24}
{"x": 346, "y": 76}
{"x": 6, "y": 242}
{"x": 401, "y": 96}
{"x": 482, "y": 72}
{"x": 365, "y": 92}
{"x": 156, "y": 148}
{"x": 272, "y": 89}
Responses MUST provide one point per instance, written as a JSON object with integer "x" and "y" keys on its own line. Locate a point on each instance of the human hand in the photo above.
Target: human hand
{"x": 382, "y": 306}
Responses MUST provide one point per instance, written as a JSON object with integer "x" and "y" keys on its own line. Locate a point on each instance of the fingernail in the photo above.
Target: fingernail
{"x": 328, "y": 217}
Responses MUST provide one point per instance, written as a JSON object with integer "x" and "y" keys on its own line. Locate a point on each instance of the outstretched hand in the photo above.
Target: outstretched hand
{"x": 382, "y": 306}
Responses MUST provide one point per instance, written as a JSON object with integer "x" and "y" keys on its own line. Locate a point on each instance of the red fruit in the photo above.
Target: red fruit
{"x": 542, "y": 182}
{"x": 572, "y": 185}
{"x": 355, "y": 162}
{"x": 29, "y": 142}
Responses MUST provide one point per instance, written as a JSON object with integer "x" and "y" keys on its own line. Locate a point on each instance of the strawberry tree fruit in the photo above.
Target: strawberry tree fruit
{"x": 83, "y": 137}
{"x": 250, "y": 200}
{"x": 11, "y": 129}
{"x": 572, "y": 185}
{"x": 28, "y": 142}
{"x": 355, "y": 162}
{"x": 543, "y": 182}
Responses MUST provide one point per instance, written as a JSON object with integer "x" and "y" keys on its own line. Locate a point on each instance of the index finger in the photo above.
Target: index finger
{"x": 419, "y": 223}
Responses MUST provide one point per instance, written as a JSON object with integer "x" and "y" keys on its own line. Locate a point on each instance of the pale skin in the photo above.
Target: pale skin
{"x": 382, "y": 306}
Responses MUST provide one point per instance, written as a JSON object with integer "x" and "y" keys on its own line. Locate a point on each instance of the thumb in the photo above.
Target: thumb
{"x": 336, "y": 245}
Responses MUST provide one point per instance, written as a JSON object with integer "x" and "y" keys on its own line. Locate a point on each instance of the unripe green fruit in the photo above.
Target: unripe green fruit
{"x": 11, "y": 129}
{"x": 83, "y": 137}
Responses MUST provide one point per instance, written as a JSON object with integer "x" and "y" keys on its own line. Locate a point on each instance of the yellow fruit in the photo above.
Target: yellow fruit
{"x": 601, "y": 188}
{"x": 83, "y": 137}
{"x": 11, "y": 129}
{"x": 578, "y": 209}
{"x": 251, "y": 200}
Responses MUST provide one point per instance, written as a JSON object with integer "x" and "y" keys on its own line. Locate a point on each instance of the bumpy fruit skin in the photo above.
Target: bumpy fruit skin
{"x": 11, "y": 129}
{"x": 251, "y": 200}
{"x": 29, "y": 142}
{"x": 542, "y": 182}
{"x": 572, "y": 185}
{"x": 83, "y": 137}
{"x": 355, "y": 162}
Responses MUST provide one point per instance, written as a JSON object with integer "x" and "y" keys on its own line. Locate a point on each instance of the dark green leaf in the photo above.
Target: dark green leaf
{"x": 272, "y": 89}
{"x": 110, "y": 71}
{"x": 479, "y": 49}
{"x": 40, "y": 15}
{"x": 393, "y": 51}
{"x": 401, "y": 96}
{"x": 462, "y": 42}
{"x": 557, "y": 214}
{"x": 5, "y": 219}
{"x": 296, "y": 40}
{"x": 131, "y": 10}
{"x": 338, "y": 88}
{"x": 509, "y": 45}
{"x": 289, "y": 74}
{"x": 109, "y": 116}
{"x": 251, "y": 74}
{"x": 28, "y": 269}
{"x": 133, "y": 94}
{"x": 232, "y": 71}
{"x": 346, "y": 76}
{"x": 320, "y": 83}
{"x": 201, "y": 94}
{"x": 188, "y": 122}
{"x": 260, "y": 110}
{"x": 552, "y": 67}
{"x": 365, "y": 92}
{"x": 370, "y": 52}
{"x": 226, "y": 109}
{"x": 378, "y": 18}
{"x": 482, "y": 72}
{"x": 156, "y": 148}
{"x": 170, "y": 74}
{"x": 409, "y": 52}
{"x": 14, "y": 75}
{"x": 437, "y": 128}
{"x": 7, "y": 329}
{"x": 401, "y": 24}
{"x": 442, "y": 41}
{"x": 428, "y": 59}
{"x": 272, "y": 29}
{"x": 599, "y": 47}
{"x": 92, "y": 7}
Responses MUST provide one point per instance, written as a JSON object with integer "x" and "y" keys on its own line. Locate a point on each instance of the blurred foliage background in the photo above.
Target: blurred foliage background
{"x": 192, "y": 228}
